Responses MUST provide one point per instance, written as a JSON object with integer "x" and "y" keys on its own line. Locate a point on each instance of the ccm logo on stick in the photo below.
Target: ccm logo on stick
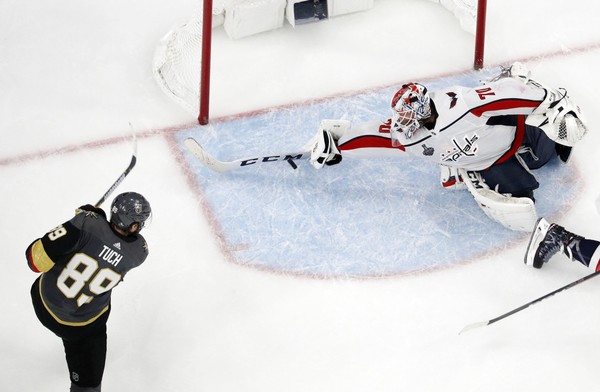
{"x": 272, "y": 158}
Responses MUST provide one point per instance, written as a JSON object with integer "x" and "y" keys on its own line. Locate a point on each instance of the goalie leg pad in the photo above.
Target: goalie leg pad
{"x": 514, "y": 213}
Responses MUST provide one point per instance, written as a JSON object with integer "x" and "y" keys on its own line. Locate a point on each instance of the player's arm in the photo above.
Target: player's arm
{"x": 550, "y": 109}
{"x": 43, "y": 253}
{"x": 337, "y": 137}
{"x": 37, "y": 258}
{"x": 507, "y": 96}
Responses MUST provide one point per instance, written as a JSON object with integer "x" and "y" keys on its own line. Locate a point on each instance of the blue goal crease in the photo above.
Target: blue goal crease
{"x": 361, "y": 218}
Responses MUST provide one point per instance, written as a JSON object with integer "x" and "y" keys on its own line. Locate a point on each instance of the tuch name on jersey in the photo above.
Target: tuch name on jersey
{"x": 110, "y": 256}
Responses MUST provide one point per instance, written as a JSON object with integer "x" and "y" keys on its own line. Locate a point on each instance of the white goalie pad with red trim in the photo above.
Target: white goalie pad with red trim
{"x": 515, "y": 213}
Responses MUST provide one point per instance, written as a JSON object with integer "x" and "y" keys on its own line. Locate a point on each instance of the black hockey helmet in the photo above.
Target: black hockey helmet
{"x": 129, "y": 208}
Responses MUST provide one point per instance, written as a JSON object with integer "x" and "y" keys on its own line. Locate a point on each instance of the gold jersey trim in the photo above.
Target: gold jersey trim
{"x": 69, "y": 323}
{"x": 40, "y": 258}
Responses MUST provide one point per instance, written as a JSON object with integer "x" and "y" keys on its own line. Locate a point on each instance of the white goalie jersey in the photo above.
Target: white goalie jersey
{"x": 468, "y": 132}
{"x": 474, "y": 129}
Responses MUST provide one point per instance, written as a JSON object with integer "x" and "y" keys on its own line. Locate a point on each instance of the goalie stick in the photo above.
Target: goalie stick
{"x": 122, "y": 176}
{"x": 522, "y": 307}
{"x": 224, "y": 166}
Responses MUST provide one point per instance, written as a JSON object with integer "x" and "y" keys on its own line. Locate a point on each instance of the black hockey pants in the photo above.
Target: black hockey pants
{"x": 513, "y": 174}
{"x": 85, "y": 346}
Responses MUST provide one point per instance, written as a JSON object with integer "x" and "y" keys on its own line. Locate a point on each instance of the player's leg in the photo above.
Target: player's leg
{"x": 40, "y": 311}
{"x": 549, "y": 239}
{"x": 85, "y": 356}
{"x": 515, "y": 213}
{"x": 85, "y": 350}
{"x": 511, "y": 177}
{"x": 537, "y": 148}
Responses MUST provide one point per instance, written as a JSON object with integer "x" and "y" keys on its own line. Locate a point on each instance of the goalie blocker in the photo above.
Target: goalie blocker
{"x": 323, "y": 148}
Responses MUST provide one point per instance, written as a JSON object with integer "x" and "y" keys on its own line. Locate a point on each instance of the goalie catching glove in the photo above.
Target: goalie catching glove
{"x": 323, "y": 147}
{"x": 559, "y": 117}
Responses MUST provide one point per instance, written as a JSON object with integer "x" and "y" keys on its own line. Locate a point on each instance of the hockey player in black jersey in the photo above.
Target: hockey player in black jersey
{"x": 80, "y": 262}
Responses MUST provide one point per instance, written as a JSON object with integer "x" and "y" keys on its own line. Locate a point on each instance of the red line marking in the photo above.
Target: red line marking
{"x": 168, "y": 130}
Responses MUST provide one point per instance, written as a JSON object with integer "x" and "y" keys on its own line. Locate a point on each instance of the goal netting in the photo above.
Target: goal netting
{"x": 177, "y": 61}
{"x": 464, "y": 10}
{"x": 178, "y": 55}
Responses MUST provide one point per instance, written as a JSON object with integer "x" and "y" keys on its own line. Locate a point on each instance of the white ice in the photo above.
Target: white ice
{"x": 74, "y": 74}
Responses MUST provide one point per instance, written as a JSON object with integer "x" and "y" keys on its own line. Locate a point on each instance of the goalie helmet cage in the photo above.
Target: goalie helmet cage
{"x": 164, "y": 71}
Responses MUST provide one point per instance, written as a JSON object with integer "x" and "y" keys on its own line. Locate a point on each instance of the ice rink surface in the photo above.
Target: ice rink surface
{"x": 275, "y": 279}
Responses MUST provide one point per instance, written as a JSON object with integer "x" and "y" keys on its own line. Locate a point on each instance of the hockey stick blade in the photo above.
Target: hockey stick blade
{"x": 224, "y": 166}
{"x": 528, "y": 304}
{"x": 122, "y": 176}
{"x": 473, "y": 326}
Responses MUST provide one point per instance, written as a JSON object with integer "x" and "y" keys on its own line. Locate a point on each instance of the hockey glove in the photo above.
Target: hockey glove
{"x": 324, "y": 150}
{"x": 323, "y": 145}
{"x": 559, "y": 117}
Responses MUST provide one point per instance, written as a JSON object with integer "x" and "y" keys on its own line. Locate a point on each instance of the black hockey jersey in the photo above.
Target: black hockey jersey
{"x": 81, "y": 261}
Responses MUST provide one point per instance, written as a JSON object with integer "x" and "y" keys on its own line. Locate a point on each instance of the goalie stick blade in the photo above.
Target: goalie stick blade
{"x": 195, "y": 148}
{"x": 224, "y": 166}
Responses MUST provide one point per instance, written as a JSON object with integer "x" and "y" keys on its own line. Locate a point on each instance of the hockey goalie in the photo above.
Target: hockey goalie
{"x": 487, "y": 139}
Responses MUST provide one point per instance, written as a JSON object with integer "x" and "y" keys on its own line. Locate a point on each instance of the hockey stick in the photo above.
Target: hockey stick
{"x": 123, "y": 175}
{"x": 488, "y": 322}
{"x": 224, "y": 166}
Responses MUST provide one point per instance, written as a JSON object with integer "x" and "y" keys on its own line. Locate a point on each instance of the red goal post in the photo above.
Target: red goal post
{"x": 479, "y": 34}
{"x": 205, "y": 65}
{"x": 176, "y": 60}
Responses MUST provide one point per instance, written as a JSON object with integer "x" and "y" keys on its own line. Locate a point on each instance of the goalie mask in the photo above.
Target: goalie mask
{"x": 410, "y": 105}
{"x": 129, "y": 208}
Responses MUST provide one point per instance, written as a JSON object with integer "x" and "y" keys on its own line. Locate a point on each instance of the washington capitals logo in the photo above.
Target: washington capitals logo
{"x": 465, "y": 147}
{"x": 453, "y": 99}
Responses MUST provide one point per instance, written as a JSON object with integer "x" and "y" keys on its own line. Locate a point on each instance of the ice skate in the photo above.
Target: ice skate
{"x": 545, "y": 242}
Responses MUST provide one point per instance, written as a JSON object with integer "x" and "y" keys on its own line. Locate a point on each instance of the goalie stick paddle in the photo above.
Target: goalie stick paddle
{"x": 522, "y": 307}
{"x": 122, "y": 176}
{"x": 224, "y": 166}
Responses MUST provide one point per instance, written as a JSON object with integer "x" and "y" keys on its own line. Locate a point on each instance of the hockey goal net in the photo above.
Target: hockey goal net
{"x": 181, "y": 64}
